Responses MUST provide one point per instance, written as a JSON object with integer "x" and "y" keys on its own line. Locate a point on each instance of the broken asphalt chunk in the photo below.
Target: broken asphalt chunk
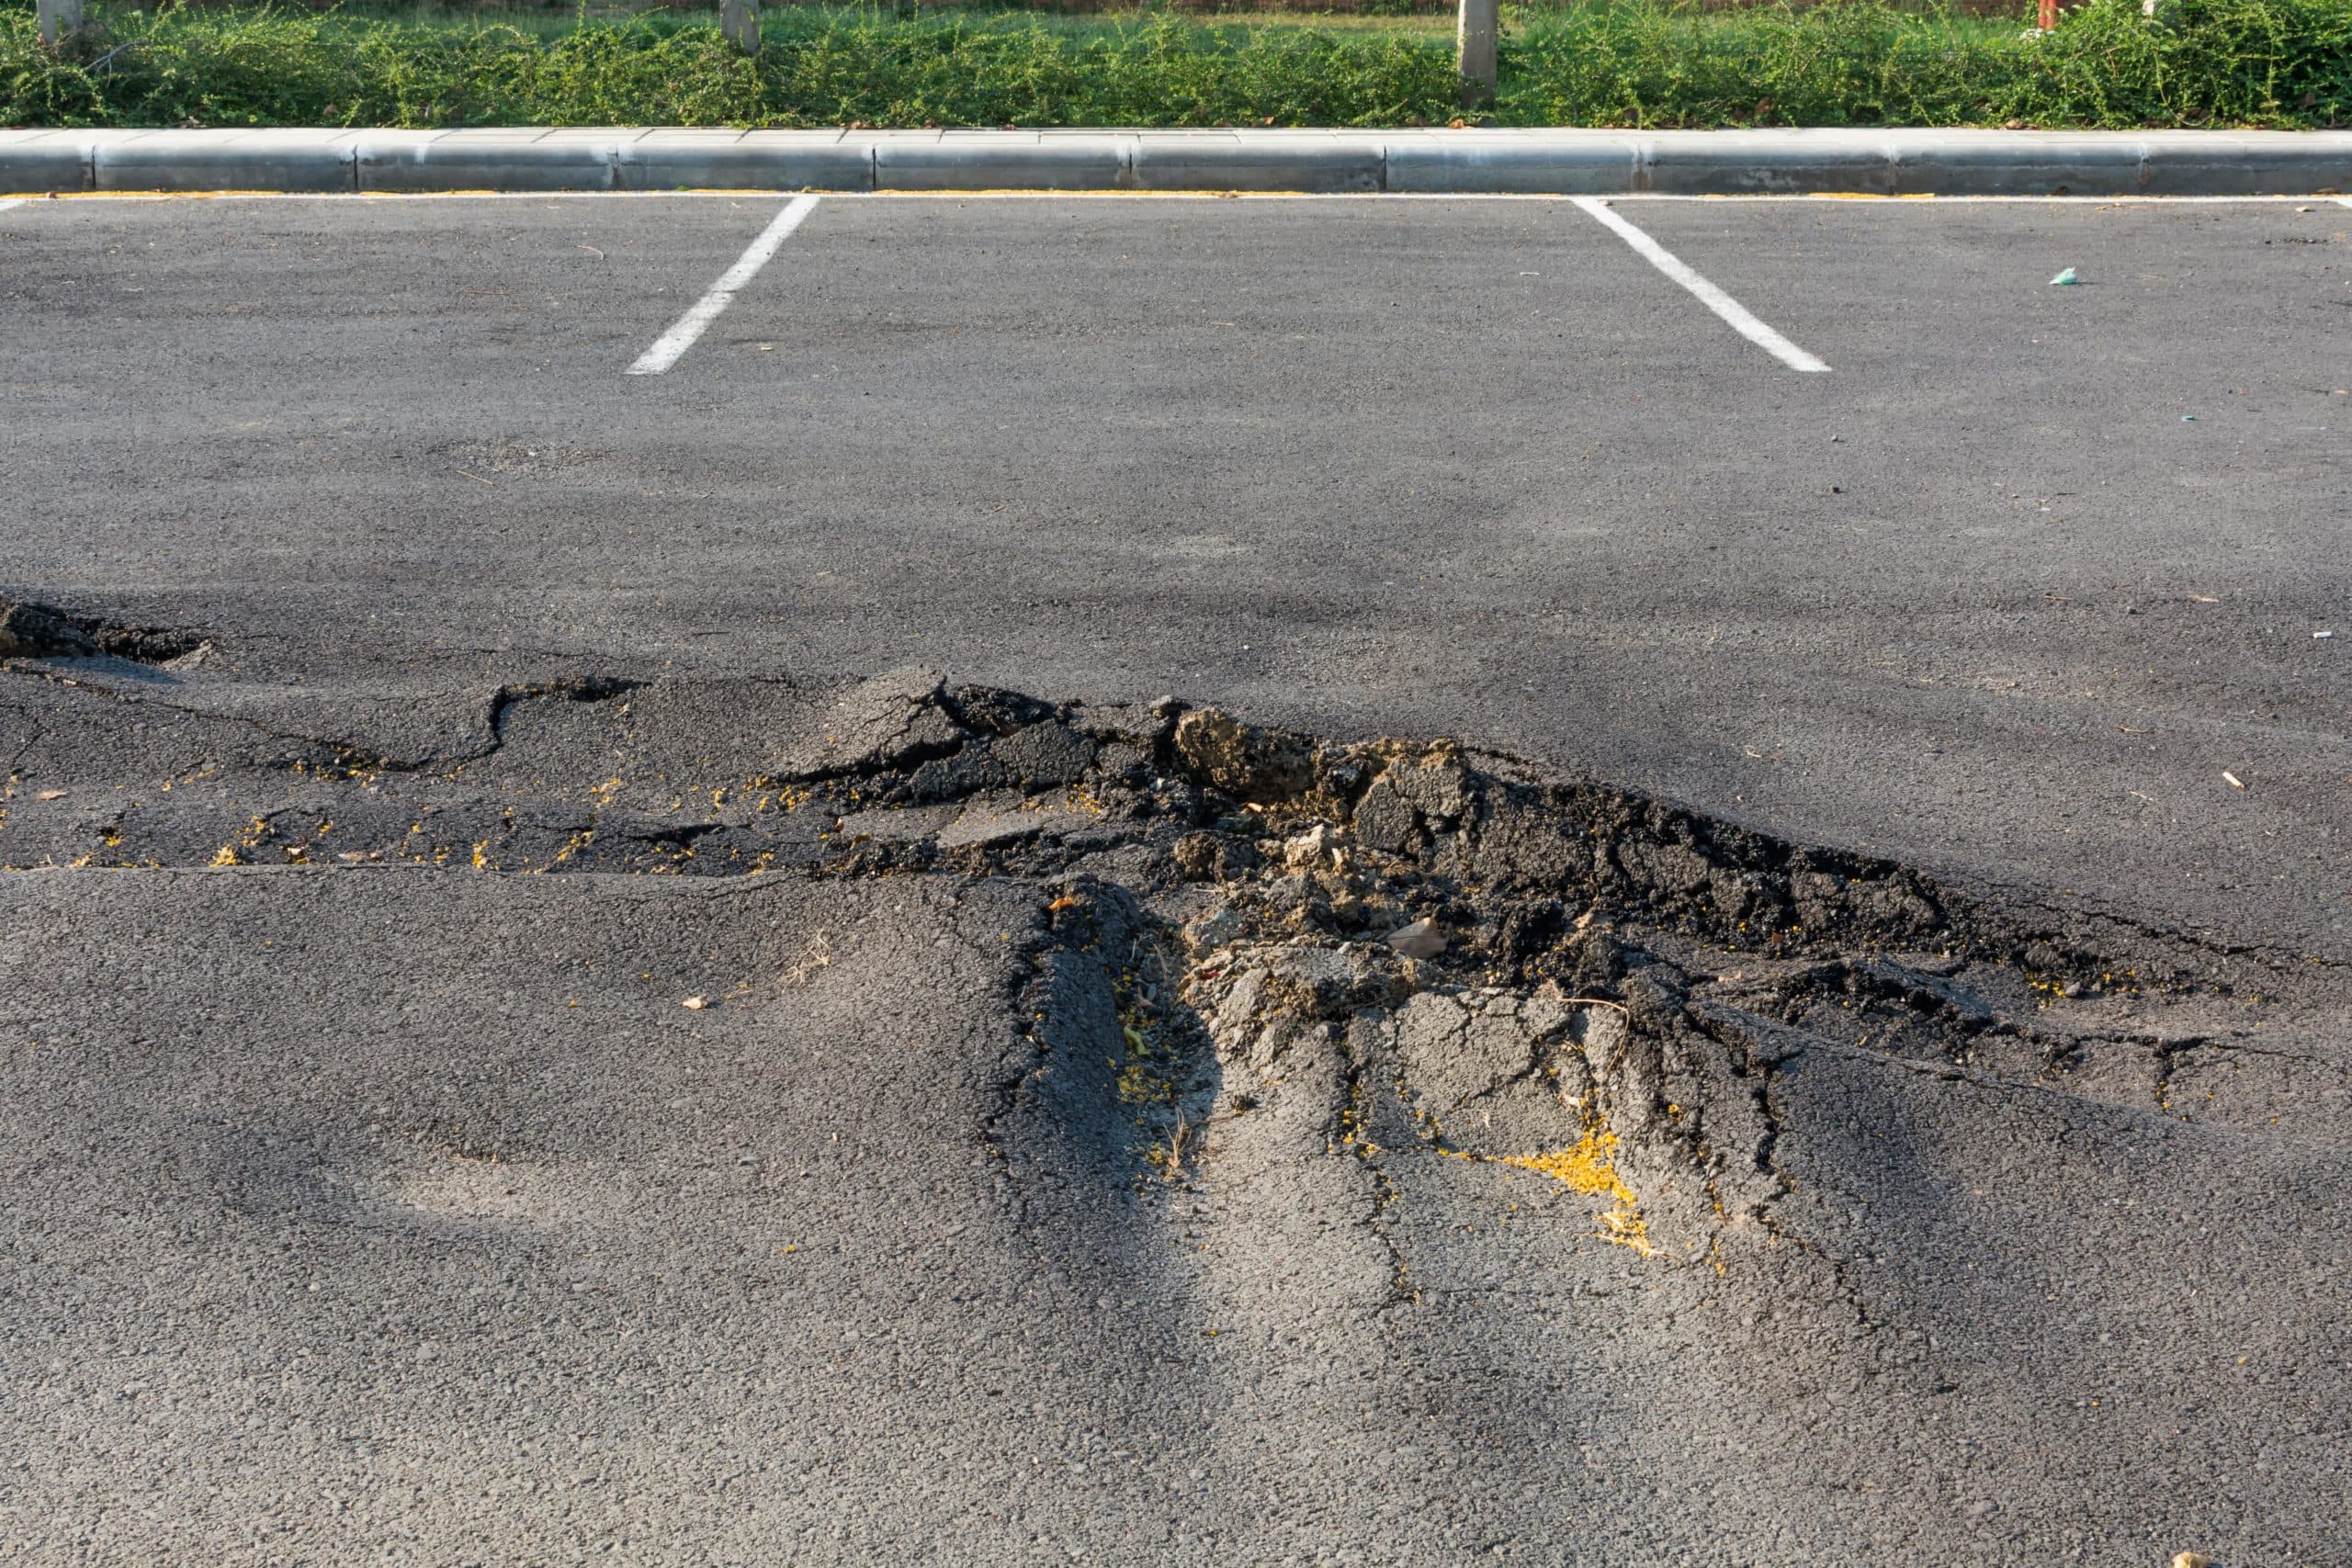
{"x": 36, "y": 631}
{"x": 1420, "y": 940}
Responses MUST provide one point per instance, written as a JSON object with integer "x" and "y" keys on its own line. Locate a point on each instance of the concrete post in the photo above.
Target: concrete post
{"x": 739, "y": 20}
{"x": 1476, "y": 42}
{"x": 59, "y": 19}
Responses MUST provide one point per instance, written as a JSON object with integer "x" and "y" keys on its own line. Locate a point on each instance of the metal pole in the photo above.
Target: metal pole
{"x": 1475, "y": 41}
{"x": 59, "y": 19}
{"x": 739, "y": 20}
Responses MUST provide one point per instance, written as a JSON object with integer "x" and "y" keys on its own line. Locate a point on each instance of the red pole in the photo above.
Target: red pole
{"x": 2049, "y": 18}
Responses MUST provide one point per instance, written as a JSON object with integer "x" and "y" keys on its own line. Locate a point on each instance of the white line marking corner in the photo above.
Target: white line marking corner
{"x": 1714, "y": 298}
{"x": 690, "y": 326}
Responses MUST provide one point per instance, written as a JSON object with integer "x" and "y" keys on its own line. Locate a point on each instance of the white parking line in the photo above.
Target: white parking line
{"x": 690, "y": 326}
{"x": 11, "y": 201}
{"x": 1714, "y": 298}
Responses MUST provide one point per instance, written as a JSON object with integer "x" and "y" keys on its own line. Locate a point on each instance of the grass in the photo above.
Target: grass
{"x": 1598, "y": 63}
{"x": 2285, "y": 63}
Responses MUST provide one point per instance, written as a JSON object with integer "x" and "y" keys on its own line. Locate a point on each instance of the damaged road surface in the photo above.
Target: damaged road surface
{"x": 653, "y": 1118}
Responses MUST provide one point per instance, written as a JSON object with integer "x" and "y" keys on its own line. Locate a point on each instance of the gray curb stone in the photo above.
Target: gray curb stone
{"x": 999, "y": 160}
{"x": 1565, "y": 162}
{"x": 1316, "y": 161}
{"x": 491, "y": 159}
{"x": 1989, "y": 162}
{"x": 1768, "y": 163}
{"x": 221, "y": 160}
{"x": 744, "y": 160}
{"x": 1508, "y": 163}
{"x": 35, "y": 161}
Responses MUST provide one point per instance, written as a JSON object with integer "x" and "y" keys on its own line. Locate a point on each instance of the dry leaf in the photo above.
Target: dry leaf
{"x": 695, "y": 1004}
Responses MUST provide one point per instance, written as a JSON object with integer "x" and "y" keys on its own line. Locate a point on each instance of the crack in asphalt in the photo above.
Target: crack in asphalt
{"x": 1313, "y": 888}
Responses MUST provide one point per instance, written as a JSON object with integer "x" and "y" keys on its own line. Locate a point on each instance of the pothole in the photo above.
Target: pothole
{"x": 1371, "y": 951}
{"x": 43, "y": 631}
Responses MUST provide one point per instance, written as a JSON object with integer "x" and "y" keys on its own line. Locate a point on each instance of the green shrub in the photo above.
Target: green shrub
{"x": 1605, "y": 62}
{"x": 2257, "y": 62}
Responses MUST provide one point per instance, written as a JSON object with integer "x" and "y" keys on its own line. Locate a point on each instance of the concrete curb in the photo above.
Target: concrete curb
{"x": 1458, "y": 162}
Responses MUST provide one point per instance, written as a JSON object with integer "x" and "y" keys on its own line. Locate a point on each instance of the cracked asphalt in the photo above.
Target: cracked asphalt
{"x": 1867, "y": 1085}
{"x": 1436, "y": 468}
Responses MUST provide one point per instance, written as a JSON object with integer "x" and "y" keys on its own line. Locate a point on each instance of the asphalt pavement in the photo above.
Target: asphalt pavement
{"x": 2006, "y": 593}
{"x": 387, "y": 1202}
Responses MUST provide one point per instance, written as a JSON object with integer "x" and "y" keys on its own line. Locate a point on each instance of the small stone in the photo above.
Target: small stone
{"x": 695, "y": 1004}
{"x": 1420, "y": 940}
{"x": 2191, "y": 1559}
{"x": 1308, "y": 848}
{"x": 1214, "y": 930}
